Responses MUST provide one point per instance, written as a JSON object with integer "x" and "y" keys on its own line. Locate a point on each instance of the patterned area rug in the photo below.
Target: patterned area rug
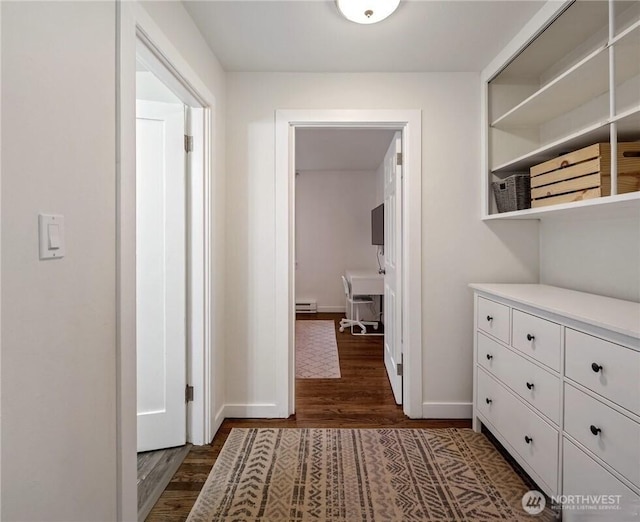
{"x": 316, "y": 350}
{"x": 344, "y": 475}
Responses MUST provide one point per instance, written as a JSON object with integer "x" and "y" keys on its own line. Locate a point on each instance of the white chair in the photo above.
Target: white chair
{"x": 354, "y": 302}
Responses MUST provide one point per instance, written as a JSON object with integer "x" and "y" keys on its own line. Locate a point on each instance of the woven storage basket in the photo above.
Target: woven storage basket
{"x": 513, "y": 193}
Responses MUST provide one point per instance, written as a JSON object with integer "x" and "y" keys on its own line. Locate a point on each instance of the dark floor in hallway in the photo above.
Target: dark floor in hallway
{"x": 155, "y": 470}
{"x": 361, "y": 398}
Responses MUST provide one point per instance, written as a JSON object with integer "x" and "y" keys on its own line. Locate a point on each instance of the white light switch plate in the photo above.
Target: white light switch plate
{"x": 51, "y": 236}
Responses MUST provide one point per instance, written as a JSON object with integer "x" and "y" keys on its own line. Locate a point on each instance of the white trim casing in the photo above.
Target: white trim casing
{"x": 126, "y": 408}
{"x": 133, "y": 22}
{"x": 485, "y": 192}
{"x": 198, "y": 360}
{"x": 409, "y": 121}
{"x": 412, "y": 265}
{"x": 0, "y": 248}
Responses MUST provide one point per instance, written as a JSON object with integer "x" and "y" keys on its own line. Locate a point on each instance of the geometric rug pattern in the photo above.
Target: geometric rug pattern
{"x": 347, "y": 475}
{"x": 316, "y": 350}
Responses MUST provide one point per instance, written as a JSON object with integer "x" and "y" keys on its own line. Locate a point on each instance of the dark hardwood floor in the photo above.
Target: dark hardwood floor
{"x": 361, "y": 398}
{"x": 155, "y": 471}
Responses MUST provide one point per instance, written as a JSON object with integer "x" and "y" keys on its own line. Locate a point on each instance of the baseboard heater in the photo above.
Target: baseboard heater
{"x": 306, "y": 306}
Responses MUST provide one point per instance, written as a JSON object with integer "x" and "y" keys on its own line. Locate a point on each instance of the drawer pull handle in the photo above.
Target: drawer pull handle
{"x": 528, "y": 439}
{"x": 594, "y": 430}
{"x": 489, "y": 318}
{"x": 489, "y": 357}
{"x": 530, "y": 385}
{"x": 530, "y": 337}
{"x": 596, "y": 367}
{"x": 488, "y": 401}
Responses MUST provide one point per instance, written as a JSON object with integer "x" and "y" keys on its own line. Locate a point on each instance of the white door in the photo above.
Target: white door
{"x": 160, "y": 274}
{"x": 392, "y": 266}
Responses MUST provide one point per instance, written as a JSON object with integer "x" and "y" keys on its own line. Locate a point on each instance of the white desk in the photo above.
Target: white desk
{"x": 365, "y": 282}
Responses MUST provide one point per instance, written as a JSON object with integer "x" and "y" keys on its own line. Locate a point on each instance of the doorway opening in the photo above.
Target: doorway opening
{"x": 162, "y": 166}
{"x": 345, "y": 204}
{"x": 408, "y": 123}
{"x": 173, "y": 121}
{"x": 181, "y": 207}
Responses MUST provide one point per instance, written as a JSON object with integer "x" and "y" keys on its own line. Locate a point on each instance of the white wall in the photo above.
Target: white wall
{"x": 457, "y": 247}
{"x": 58, "y": 338}
{"x": 177, "y": 25}
{"x": 58, "y": 317}
{"x": 333, "y": 232}
{"x": 601, "y": 256}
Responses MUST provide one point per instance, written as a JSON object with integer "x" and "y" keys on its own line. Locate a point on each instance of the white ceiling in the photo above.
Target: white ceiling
{"x": 311, "y": 36}
{"x": 341, "y": 149}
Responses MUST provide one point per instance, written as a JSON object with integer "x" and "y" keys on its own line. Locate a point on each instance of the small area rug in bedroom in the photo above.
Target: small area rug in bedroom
{"x": 316, "y": 350}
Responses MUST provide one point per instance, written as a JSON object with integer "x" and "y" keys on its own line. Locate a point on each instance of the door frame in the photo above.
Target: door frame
{"x": 409, "y": 123}
{"x": 133, "y": 24}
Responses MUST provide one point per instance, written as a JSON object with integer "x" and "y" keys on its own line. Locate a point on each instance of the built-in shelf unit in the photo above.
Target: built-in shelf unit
{"x": 570, "y": 79}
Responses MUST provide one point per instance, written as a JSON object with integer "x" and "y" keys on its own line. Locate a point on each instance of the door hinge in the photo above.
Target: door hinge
{"x": 188, "y": 143}
{"x": 400, "y": 366}
{"x": 399, "y": 158}
{"x": 188, "y": 394}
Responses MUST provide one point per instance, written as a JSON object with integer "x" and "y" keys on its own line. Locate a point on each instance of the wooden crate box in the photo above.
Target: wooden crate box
{"x": 585, "y": 174}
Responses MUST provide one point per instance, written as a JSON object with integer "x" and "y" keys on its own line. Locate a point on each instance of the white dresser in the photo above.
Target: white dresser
{"x": 557, "y": 382}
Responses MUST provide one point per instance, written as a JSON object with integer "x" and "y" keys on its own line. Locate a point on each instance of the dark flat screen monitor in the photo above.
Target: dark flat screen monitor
{"x": 377, "y": 225}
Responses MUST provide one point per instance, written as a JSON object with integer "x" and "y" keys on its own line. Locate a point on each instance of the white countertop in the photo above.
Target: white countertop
{"x": 611, "y": 314}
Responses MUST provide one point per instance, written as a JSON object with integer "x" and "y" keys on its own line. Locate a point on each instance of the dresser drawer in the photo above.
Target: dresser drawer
{"x": 618, "y": 440}
{"x": 493, "y": 402}
{"x": 537, "y": 337}
{"x": 538, "y": 387}
{"x": 609, "y": 369}
{"x": 584, "y": 476}
{"x": 535, "y": 441}
{"x": 493, "y": 318}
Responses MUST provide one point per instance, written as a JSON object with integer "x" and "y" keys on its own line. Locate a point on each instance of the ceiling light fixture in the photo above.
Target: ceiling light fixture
{"x": 367, "y": 11}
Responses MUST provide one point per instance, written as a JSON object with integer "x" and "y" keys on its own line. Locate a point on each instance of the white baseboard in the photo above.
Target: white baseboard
{"x": 430, "y": 410}
{"x": 251, "y": 411}
{"x": 217, "y": 421}
{"x": 331, "y": 309}
{"x": 447, "y": 410}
